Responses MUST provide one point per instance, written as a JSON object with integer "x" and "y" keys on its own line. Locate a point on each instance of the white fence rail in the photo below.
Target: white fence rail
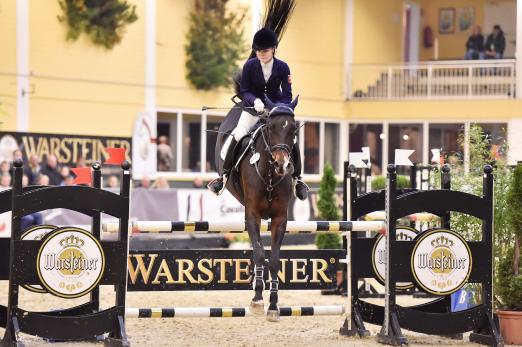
{"x": 493, "y": 79}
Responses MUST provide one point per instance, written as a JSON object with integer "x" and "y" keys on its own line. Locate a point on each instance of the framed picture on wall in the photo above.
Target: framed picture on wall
{"x": 446, "y": 20}
{"x": 466, "y": 18}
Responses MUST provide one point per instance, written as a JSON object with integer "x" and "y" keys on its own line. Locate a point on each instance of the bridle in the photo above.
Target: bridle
{"x": 270, "y": 149}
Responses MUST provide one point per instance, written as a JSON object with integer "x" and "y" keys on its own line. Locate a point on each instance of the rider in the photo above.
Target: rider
{"x": 262, "y": 75}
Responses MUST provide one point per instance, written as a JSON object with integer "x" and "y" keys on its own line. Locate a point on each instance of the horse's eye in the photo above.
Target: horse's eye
{"x": 285, "y": 124}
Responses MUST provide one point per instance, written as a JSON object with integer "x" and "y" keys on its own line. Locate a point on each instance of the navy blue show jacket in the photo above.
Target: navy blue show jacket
{"x": 278, "y": 88}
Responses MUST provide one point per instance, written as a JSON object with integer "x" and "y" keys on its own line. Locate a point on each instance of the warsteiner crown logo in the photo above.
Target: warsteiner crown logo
{"x": 70, "y": 262}
{"x": 441, "y": 261}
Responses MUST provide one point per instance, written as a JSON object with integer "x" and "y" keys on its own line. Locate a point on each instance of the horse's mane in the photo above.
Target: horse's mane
{"x": 276, "y": 17}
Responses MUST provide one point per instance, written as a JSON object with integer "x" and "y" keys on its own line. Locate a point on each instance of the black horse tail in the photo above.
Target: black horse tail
{"x": 276, "y": 17}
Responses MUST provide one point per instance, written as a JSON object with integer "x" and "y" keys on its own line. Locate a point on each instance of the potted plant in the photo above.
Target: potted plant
{"x": 509, "y": 272}
{"x": 328, "y": 210}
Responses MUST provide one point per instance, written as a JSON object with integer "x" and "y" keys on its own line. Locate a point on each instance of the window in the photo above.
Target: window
{"x": 446, "y": 137}
{"x": 368, "y": 135}
{"x": 191, "y": 145}
{"x": 497, "y": 136}
{"x": 311, "y": 148}
{"x": 331, "y": 145}
{"x": 405, "y": 136}
{"x": 167, "y": 126}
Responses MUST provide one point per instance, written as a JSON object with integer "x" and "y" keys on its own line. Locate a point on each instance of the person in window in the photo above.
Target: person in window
{"x": 165, "y": 154}
{"x": 495, "y": 44}
{"x": 262, "y": 75}
{"x": 475, "y": 44}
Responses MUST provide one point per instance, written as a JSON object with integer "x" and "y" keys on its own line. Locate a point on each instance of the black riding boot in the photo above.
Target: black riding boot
{"x": 217, "y": 185}
{"x": 301, "y": 189}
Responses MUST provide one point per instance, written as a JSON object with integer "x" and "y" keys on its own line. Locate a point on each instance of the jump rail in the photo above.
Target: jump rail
{"x": 220, "y": 312}
{"x": 292, "y": 227}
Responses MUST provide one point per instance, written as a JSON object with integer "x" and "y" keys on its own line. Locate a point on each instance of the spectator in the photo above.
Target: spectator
{"x": 5, "y": 182}
{"x": 161, "y": 183}
{"x": 495, "y": 44}
{"x": 80, "y": 162}
{"x": 5, "y": 168}
{"x": 475, "y": 45}
{"x": 113, "y": 182}
{"x": 43, "y": 180}
{"x": 17, "y": 154}
{"x": 68, "y": 180}
{"x": 32, "y": 169}
{"x": 32, "y": 219}
{"x": 65, "y": 171}
{"x": 25, "y": 180}
{"x": 144, "y": 182}
{"x": 164, "y": 154}
{"x": 51, "y": 169}
{"x": 197, "y": 183}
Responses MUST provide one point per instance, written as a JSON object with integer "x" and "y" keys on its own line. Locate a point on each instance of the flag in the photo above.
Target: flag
{"x": 83, "y": 175}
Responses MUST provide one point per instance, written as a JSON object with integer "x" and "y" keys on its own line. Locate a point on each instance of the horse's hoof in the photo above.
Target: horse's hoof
{"x": 272, "y": 315}
{"x": 257, "y": 307}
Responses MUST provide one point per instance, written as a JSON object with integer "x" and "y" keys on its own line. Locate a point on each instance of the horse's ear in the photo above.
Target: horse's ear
{"x": 293, "y": 104}
{"x": 269, "y": 104}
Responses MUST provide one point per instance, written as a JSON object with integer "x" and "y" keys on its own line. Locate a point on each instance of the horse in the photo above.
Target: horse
{"x": 262, "y": 182}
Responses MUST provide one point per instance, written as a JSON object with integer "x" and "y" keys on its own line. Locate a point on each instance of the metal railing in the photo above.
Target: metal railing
{"x": 468, "y": 79}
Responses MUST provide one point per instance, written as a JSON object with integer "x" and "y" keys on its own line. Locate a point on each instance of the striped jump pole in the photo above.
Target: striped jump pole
{"x": 292, "y": 227}
{"x": 221, "y": 312}
{"x": 415, "y": 217}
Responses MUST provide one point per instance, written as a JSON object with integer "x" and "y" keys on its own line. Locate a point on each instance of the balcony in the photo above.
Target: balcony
{"x": 483, "y": 79}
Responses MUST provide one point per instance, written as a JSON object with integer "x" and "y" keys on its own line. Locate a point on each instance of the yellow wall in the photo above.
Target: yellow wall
{"x": 313, "y": 46}
{"x": 7, "y": 64}
{"x": 377, "y": 31}
{"x": 377, "y": 39}
{"x": 83, "y": 88}
{"x": 172, "y": 26}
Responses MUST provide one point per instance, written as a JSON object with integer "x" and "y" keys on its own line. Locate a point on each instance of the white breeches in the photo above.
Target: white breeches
{"x": 245, "y": 123}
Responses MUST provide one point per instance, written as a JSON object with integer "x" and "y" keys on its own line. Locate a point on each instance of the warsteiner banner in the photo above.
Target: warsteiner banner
{"x": 66, "y": 148}
{"x": 163, "y": 270}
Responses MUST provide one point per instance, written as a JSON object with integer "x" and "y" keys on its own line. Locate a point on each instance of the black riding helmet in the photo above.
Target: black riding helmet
{"x": 263, "y": 39}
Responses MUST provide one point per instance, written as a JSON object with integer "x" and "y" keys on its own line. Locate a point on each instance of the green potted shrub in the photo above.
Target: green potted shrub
{"x": 379, "y": 182}
{"x": 509, "y": 271}
{"x": 328, "y": 210}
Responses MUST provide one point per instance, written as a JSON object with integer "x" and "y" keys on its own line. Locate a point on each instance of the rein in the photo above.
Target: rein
{"x": 270, "y": 149}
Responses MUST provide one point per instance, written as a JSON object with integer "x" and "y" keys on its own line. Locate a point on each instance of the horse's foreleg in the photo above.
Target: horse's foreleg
{"x": 278, "y": 233}
{"x": 258, "y": 282}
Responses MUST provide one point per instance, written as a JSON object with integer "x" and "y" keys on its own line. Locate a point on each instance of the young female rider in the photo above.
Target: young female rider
{"x": 262, "y": 75}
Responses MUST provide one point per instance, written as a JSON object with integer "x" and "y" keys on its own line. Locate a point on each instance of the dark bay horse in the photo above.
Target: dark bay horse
{"x": 263, "y": 184}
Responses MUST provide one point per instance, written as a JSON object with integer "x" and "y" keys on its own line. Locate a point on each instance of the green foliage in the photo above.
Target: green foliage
{"x": 327, "y": 208}
{"x": 215, "y": 44}
{"x": 471, "y": 182}
{"x": 509, "y": 272}
{"x": 508, "y": 285}
{"x": 379, "y": 182}
{"x": 103, "y": 20}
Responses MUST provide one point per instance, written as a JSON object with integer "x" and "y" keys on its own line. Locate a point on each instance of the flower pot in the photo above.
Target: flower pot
{"x": 511, "y": 326}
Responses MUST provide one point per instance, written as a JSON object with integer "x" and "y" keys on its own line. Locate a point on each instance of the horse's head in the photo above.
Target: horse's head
{"x": 282, "y": 131}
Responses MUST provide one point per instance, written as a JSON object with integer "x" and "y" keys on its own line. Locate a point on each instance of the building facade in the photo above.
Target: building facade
{"x": 368, "y": 73}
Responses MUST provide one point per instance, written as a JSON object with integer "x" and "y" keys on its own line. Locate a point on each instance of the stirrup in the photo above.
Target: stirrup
{"x": 299, "y": 181}
{"x": 224, "y": 179}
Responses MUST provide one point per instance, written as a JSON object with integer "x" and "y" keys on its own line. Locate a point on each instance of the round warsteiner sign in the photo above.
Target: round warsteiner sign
{"x": 403, "y": 233}
{"x": 70, "y": 262}
{"x": 37, "y": 233}
{"x": 441, "y": 261}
